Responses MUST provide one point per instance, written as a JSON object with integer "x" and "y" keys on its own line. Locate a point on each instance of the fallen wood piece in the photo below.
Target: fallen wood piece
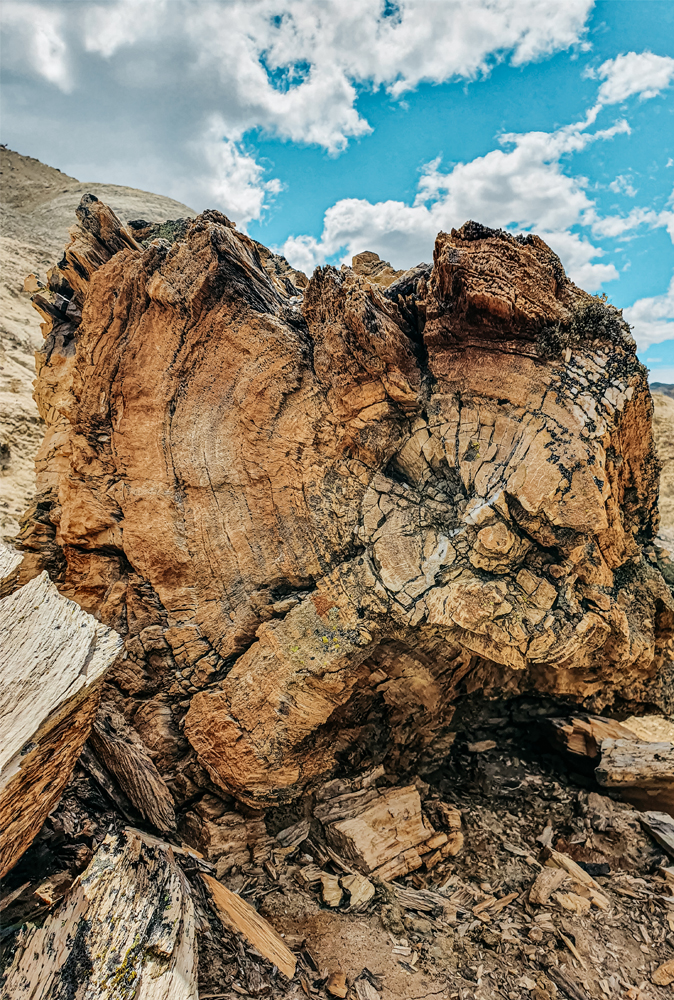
{"x": 147, "y": 949}
{"x": 423, "y": 900}
{"x": 239, "y": 917}
{"x": 443, "y": 815}
{"x": 504, "y": 901}
{"x": 336, "y": 984}
{"x": 547, "y": 882}
{"x": 643, "y": 773}
{"x": 224, "y": 836}
{"x": 572, "y": 948}
{"x": 331, "y": 890}
{"x": 374, "y": 831}
{"x": 556, "y": 859}
{"x": 572, "y": 988}
{"x": 583, "y": 734}
{"x": 360, "y": 890}
{"x": 11, "y": 896}
{"x": 294, "y": 835}
{"x": 660, "y": 825}
{"x": 664, "y": 974}
{"x": 454, "y": 844}
{"x": 123, "y": 753}
{"x": 573, "y": 902}
{"x": 53, "y": 657}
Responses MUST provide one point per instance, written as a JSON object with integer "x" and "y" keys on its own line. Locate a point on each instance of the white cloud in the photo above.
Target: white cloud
{"x": 234, "y": 180}
{"x": 522, "y": 186}
{"x": 652, "y": 319}
{"x": 37, "y": 40}
{"x": 291, "y": 68}
{"x": 641, "y": 73}
{"x": 623, "y": 185}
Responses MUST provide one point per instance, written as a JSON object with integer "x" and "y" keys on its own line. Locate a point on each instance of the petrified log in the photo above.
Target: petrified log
{"x": 53, "y": 657}
{"x": 642, "y": 772}
{"x": 90, "y": 948}
{"x": 320, "y": 511}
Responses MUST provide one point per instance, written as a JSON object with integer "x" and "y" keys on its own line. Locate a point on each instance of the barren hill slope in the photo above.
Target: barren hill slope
{"x": 37, "y": 207}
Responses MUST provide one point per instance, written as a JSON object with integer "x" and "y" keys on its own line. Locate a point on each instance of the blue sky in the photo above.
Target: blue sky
{"x": 326, "y": 128}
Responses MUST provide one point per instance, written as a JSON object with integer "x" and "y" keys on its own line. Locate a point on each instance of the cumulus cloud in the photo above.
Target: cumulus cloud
{"x": 652, "y": 319}
{"x": 236, "y": 180}
{"x": 623, "y": 185}
{"x": 291, "y": 68}
{"x": 643, "y": 73}
{"x": 520, "y": 186}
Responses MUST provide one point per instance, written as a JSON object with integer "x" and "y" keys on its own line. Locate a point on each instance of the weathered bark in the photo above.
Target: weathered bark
{"x": 320, "y": 512}
{"x": 125, "y": 756}
{"x": 93, "y": 948}
{"x": 53, "y": 657}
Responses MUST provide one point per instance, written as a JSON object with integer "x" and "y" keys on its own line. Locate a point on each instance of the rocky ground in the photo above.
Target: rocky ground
{"x": 37, "y": 207}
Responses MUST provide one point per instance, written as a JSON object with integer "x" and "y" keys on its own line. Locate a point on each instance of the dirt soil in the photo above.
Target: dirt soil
{"x": 37, "y": 207}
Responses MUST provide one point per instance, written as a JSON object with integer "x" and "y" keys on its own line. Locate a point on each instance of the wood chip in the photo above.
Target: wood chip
{"x": 454, "y": 844}
{"x": 360, "y": 890}
{"x": 336, "y": 984}
{"x": 481, "y": 746}
{"x": 664, "y": 974}
{"x": 331, "y": 890}
{"x": 365, "y": 990}
{"x": 547, "y": 881}
{"x": 572, "y": 948}
{"x": 504, "y": 901}
{"x": 239, "y": 916}
{"x": 573, "y": 902}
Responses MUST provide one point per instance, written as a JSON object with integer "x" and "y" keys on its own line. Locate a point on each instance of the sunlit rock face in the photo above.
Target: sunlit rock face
{"x": 321, "y": 510}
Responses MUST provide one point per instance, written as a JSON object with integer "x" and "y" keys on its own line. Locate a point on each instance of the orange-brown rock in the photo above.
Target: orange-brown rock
{"x": 321, "y": 511}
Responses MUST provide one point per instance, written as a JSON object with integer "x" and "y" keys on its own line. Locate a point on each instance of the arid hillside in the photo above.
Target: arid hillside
{"x": 37, "y": 207}
{"x": 663, "y": 429}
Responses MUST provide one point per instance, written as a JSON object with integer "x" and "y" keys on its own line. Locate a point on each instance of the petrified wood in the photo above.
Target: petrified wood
{"x": 53, "y": 657}
{"x": 642, "y": 772}
{"x": 320, "y": 511}
{"x": 125, "y": 929}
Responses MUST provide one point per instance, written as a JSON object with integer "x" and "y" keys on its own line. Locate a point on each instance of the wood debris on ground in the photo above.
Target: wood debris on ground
{"x": 556, "y": 892}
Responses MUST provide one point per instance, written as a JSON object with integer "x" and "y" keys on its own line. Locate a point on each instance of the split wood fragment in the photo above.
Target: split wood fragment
{"x": 239, "y": 916}
{"x": 53, "y": 657}
{"x": 121, "y": 750}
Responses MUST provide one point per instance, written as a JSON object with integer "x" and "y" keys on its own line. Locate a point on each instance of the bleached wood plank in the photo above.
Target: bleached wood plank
{"x": 53, "y": 657}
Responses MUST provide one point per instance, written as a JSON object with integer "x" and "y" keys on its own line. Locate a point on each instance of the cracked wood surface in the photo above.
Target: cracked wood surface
{"x": 320, "y": 511}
